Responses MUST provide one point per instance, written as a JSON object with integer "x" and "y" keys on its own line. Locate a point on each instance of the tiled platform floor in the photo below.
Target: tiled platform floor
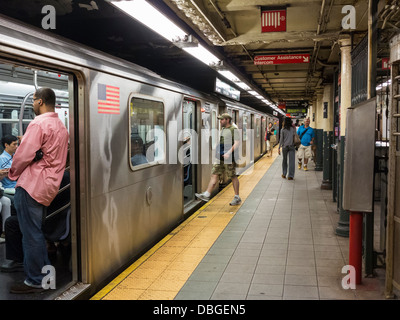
{"x": 281, "y": 244}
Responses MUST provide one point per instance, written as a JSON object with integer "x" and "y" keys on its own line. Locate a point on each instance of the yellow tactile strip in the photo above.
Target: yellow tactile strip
{"x": 162, "y": 271}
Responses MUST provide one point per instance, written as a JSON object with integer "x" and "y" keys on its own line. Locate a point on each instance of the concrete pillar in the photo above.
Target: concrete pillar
{"x": 318, "y": 132}
{"x": 311, "y": 109}
{"x": 345, "y": 88}
{"x": 327, "y": 126}
{"x": 318, "y": 110}
{"x": 327, "y": 100}
{"x": 345, "y": 102}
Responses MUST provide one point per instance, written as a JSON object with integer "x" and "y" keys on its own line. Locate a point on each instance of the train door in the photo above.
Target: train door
{"x": 244, "y": 148}
{"x": 257, "y": 138}
{"x": 263, "y": 130}
{"x": 254, "y": 143}
{"x": 189, "y": 149}
{"x": 17, "y": 86}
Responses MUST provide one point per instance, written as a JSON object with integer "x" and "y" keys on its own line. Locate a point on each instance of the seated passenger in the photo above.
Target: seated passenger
{"x": 137, "y": 153}
{"x": 5, "y": 210}
{"x": 5, "y": 205}
{"x": 10, "y": 145}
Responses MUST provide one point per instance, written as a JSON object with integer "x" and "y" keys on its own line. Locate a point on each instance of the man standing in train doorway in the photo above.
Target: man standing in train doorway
{"x": 38, "y": 165}
{"x": 306, "y": 134}
{"x": 227, "y": 153}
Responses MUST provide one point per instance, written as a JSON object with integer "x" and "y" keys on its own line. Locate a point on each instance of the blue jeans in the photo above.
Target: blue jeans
{"x": 291, "y": 151}
{"x": 30, "y": 217}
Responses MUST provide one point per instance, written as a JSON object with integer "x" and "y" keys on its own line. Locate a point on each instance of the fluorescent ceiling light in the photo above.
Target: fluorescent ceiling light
{"x": 155, "y": 20}
{"x": 151, "y": 17}
{"x": 202, "y": 54}
{"x": 243, "y": 86}
{"x": 229, "y": 75}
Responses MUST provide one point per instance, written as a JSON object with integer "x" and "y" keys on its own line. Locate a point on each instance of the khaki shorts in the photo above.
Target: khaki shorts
{"x": 304, "y": 152}
{"x": 221, "y": 168}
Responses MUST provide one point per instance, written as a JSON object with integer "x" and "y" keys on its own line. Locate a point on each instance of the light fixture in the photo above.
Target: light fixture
{"x": 202, "y": 54}
{"x": 155, "y": 20}
{"x": 151, "y": 17}
{"x": 147, "y": 14}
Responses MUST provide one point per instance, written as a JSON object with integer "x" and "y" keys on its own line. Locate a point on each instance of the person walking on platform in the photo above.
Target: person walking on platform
{"x": 286, "y": 142}
{"x": 306, "y": 134}
{"x": 38, "y": 165}
{"x": 270, "y": 138}
{"x": 227, "y": 152}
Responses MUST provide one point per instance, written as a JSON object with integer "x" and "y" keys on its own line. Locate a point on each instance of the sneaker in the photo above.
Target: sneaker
{"x": 236, "y": 201}
{"x": 24, "y": 288}
{"x": 299, "y": 165}
{"x": 201, "y": 196}
{"x": 283, "y": 176}
{"x": 305, "y": 168}
{"x": 290, "y": 178}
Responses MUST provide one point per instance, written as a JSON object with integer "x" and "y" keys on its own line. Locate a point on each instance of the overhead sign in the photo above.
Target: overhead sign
{"x": 296, "y": 110}
{"x": 282, "y": 59}
{"x": 227, "y": 90}
{"x": 282, "y": 105}
{"x": 296, "y": 104}
{"x": 273, "y": 20}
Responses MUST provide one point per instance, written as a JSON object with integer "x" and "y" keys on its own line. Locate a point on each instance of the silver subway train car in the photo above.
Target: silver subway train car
{"x": 140, "y": 147}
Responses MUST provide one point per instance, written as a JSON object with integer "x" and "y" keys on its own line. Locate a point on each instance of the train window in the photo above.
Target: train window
{"x": 214, "y": 129}
{"x": 17, "y": 85}
{"x": 258, "y": 127}
{"x": 147, "y": 141}
{"x": 244, "y": 128}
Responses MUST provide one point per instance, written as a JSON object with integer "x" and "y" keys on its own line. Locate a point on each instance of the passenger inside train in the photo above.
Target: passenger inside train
{"x": 137, "y": 150}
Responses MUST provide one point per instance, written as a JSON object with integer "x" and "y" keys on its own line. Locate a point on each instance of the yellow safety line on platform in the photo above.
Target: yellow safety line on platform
{"x": 163, "y": 270}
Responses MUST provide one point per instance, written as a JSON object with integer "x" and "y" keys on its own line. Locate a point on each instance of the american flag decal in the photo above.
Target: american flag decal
{"x": 107, "y": 99}
{"x": 273, "y": 20}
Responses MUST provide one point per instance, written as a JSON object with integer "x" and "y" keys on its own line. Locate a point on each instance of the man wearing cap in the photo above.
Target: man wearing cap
{"x": 227, "y": 153}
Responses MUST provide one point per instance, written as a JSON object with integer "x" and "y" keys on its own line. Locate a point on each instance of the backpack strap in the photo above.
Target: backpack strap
{"x": 303, "y": 133}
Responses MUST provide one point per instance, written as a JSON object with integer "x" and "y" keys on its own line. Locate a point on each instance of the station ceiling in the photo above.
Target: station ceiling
{"x": 231, "y": 29}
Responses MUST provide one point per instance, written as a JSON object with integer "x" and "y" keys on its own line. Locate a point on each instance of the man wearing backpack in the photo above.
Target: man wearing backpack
{"x": 306, "y": 134}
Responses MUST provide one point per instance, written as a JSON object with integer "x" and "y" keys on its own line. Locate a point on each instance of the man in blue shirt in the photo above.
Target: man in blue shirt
{"x": 306, "y": 134}
{"x": 10, "y": 145}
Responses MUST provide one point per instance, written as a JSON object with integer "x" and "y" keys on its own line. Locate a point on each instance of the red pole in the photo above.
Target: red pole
{"x": 355, "y": 243}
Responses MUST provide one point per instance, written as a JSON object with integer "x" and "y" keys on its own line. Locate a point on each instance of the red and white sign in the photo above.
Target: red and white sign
{"x": 385, "y": 64}
{"x": 282, "y": 59}
{"x": 273, "y": 20}
{"x": 282, "y": 105}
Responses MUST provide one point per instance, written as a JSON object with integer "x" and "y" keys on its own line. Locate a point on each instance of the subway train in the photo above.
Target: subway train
{"x": 140, "y": 147}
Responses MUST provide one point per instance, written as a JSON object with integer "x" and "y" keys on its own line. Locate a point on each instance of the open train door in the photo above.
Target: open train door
{"x": 17, "y": 86}
{"x": 190, "y": 142}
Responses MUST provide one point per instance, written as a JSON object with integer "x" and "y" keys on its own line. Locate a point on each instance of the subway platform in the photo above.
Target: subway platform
{"x": 279, "y": 244}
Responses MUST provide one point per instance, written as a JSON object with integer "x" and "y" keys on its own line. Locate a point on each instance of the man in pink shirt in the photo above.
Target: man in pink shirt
{"x": 38, "y": 165}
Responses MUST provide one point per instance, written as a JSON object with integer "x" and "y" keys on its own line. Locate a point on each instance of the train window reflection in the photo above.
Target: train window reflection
{"x": 147, "y": 141}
